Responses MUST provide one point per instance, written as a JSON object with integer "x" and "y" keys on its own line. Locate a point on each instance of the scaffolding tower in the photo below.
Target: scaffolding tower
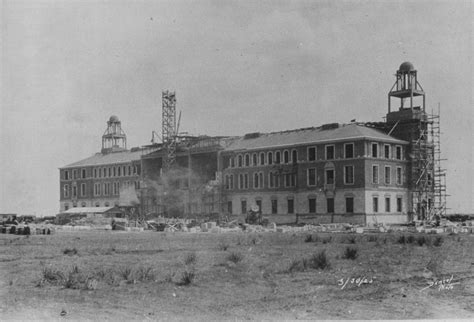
{"x": 428, "y": 177}
{"x": 168, "y": 128}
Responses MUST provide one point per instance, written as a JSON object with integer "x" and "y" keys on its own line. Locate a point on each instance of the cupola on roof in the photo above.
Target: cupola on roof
{"x": 114, "y": 119}
{"x": 406, "y": 67}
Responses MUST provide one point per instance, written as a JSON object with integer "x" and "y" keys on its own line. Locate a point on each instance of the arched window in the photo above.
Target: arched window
{"x": 239, "y": 163}
{"x": 294, "y": 156}
{"x": 286, "y": 156}
{"x": 262, "y": 158}
{"x": 277, "y": 157}
{"x": 254, "y": 159}
{"x": 270, "y": 158}
{"x": 247, "y": 160}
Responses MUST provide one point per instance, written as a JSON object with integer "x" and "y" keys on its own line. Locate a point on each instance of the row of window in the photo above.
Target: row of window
{"x": 242, "y": 180}
{"x": 387, "y": 175}
{"x": 105, "y": 189}
{"x": 103, "y": 172}
{"x": 290, "y": 205}
{"x": 287, "y": 157}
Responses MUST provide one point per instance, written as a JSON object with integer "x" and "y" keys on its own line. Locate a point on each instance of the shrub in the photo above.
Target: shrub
{"x": 223, "y": 246}
{"x": 308, "y": 239}
{"x": 70, "y": 251}
{"x": 350, "y": 240}
{"x": 144, "y": 274}
{"x": 297, "y": 265}
{"x": 319, "y": 261}
{"x": 350, "y": 253}
{"x": 438, "y": 241}
{"x": 401, "y": 239}
{"x": 410, "y": 239}
{"x": 190, "y": 259}
{"x": 126, "y": 273}
{"x": 234, "y": 257}
{"x": 422, "y": 240}
{"x": 187, "y": 277}
{"x": 372, "y": 238}
{"x": 327, "y": 240}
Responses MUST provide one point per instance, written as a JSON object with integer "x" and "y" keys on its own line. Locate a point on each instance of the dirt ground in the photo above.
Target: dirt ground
{"x": 97, "y": 275}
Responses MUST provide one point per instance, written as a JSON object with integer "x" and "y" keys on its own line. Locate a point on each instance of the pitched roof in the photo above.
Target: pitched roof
{"x": 310, "y": 135}
{"x": 108, "y": 158}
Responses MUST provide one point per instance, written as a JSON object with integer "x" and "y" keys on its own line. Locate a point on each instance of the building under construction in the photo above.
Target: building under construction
{"x": 373, "y": 172}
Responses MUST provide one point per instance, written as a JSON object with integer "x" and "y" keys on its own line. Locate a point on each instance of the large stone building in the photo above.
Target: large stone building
{"x": 378, "y": 172}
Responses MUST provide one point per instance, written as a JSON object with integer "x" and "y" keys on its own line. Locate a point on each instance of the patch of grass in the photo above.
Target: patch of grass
{"x": 297, "y": 265}
{"x": 350, "y": 240}
{"x": 187, "y": 277}
{"x": 422, "y": 240}
{"x": 401, "y": 239}
{"x": 144, "y": 274}
{"x": 350, "y": 253}
{"x": 70, "y": 251}
{"x": 410, "y": 239}
{"x": 190, "y": 259}
{"x": 319, "y": 261}
{"x": 51, "y": 276}
{"x": 126, "y": 273}
{"x": 234, "y": 257}
{"x": 308, "y": 239}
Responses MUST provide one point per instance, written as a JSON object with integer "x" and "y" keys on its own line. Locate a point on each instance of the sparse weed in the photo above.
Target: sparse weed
{"x": 187, "y": 277}
{"x": 350, "y": 240}
{"x": 308, "y": 239}
{"x": 327, "y": 240}
{"x": 297, "y": 265}
{"x": 372, "y": 238}
{"x": 234, "y": 257}
{"x": 126, "y": 273}
{"x": 190, "y": 259}
{"x": 52, "y": 276}
{"x": 410, "y": 239}
{"x": 422, "y": 240}
{"x": 144, "y": 274}
{"x": 401, "y": 239}
{"x": 350, "y": 253}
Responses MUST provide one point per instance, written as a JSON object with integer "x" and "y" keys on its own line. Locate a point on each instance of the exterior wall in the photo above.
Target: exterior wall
{"x": 382, "y": 215}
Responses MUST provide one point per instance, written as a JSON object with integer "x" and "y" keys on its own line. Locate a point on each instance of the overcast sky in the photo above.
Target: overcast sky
{"x": 236, "y": 66}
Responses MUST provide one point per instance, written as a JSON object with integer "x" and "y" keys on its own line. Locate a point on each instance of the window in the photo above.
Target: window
{"x": 312, "y": 177}
{"x": 83, "y": 189}
{"x": 66, "y": 175}
{"x": 399, "y": 204}
{"x": 241, "y": 181}
{"x": 290, "y": 180}
{"x": 97, "y": 204}
{"x": 66, "y": 191}
{"x": 66, "y": 206}
{"x": 129, "y": 170}
{"x": 104, "y": 172}
{"x": 229, "y": 207}
{"x": 349, "y": 205}
{"x": 375, "y": 152}
{"x": 240, "y": 161}
{"x": 83, "y": 173}
{"x": 329, "y": 152}
{"x": 387, "y": 175}
{"x": 286, "y": 157}
{"x": 260, "y": 178}
{"x": 106, "y": 204}
{"x": 110, "y": 172}
{"x": 270, "y": 158}
{"x": 115, "y": 171}
{"x": 116, "y": 188}
{"x": 258, "y": 203}
{"x": 312, "y": 153}
{"x": 83, "y": 204}
{"x": 232, "y": 162}
{"x": 291, "y": 206}
{"x": 243, "y": 206}
{"x": 375, "y": 174}
{"x": 277, "y": 157}
{"x": 254, "y": 159}
{"x": 294, "y": 156}
{"x": 227, "y": 182}
{"x": 119, "y": 171}
{"x": 398, "y": 152}
{"x": 274, "y": 206}
{"x": 262, "y": 158}
{"x": 96, "y": 189}
{"x": 312, "y": 205}
{"x": 386, "y": 151}
{"x": 349, "y": 150}
{"x": 75, "y": 174}
{"x": 272, "y": 180}
{"x": 231, "y": 181}
{"x": 255, "y": 180}
{"x": 375, "y": 204}
{"x": 247, "y": 160}
{"x": 95, "y": 173}
{"x": 330, "y": 205}
{"x": 349, "y": 174}
{"x": 399, "y": 175}
{"x": 387, "y": 204}
{"x": 330, "y": 176}
{"x": 74, "y": 191}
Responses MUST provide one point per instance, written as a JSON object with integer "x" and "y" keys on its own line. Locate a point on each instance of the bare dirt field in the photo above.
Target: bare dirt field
{"x": 96, "y": 275}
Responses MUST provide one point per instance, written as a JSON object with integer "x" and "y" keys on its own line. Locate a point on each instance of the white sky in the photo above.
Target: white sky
{"x": 237, "y": 67}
